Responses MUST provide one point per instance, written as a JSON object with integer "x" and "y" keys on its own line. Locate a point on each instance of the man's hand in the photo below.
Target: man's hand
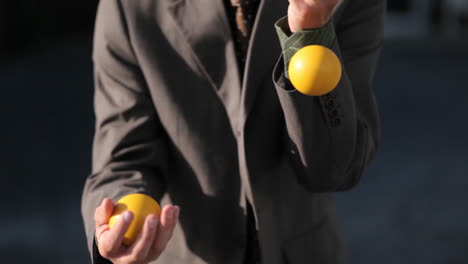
{"x": 309, "y": 14}
{"x": 149, "y": 244}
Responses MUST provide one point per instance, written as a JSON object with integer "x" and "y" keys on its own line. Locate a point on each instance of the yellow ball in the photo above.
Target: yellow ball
{"x": 140, "y": 205}
{"x": 314, "y": 70}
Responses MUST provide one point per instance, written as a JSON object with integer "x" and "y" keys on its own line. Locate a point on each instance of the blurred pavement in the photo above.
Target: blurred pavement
{"x": 412, "y": 204}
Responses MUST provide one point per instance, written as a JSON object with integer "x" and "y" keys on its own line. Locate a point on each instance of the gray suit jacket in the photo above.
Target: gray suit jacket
{"x": 174, "y": 121}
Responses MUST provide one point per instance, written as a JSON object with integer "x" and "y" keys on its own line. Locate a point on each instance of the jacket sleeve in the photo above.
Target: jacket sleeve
{"x": 330, "y": 139}
{"x": 129, "y": 149}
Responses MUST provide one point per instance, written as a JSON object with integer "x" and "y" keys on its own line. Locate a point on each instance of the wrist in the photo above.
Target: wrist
{"x": 310, "y": 14}
{"x": 304, "y": 21}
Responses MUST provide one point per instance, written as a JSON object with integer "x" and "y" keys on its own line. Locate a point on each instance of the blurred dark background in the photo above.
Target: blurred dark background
{"x": 411, "y": 206}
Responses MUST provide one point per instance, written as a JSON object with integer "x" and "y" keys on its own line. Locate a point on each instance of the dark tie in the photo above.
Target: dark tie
{"x": 245, "y": 11}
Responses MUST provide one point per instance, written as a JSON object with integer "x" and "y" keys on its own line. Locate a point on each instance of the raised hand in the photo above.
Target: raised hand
{"x": 309, "y": 14}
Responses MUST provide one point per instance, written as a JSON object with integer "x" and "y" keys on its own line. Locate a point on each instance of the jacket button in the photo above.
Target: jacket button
{"x": 332, "y": 113}
{"x": 330, "y": 104}
{"x": 336, "y": 122}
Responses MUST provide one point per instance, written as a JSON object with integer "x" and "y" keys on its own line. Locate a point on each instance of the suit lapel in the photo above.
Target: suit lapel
{"x": 263, "y": 51}
{"x": 204, "y": 25}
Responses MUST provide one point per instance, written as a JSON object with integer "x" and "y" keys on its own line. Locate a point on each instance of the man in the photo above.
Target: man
{"x": 250, "y": 163}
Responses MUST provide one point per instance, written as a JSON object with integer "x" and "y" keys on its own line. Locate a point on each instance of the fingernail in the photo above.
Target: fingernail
{"x": 170, "y": 214}
{"x": 177, "y": 211}
{"x": 153, "y": 223}
{"x": 127, "y": 216}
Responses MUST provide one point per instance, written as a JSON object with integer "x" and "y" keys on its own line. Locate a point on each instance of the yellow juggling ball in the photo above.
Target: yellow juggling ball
{"x": 140, "y": 205}
{"x": 314, "y": 70}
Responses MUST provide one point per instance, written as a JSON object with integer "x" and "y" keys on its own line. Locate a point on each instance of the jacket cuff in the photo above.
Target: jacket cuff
{"x": 329, "y": 103}
{"x": 292, "y": 42}
{"x": 96, "y": 256}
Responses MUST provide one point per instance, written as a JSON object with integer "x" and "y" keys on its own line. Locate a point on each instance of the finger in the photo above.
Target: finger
{"x": 337, "y": 4}
{"x": 144, "y": 241}
{"x": 103, "y": 212}
{"x": 111, "y": 240}
{"x": 166, "y": 227}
